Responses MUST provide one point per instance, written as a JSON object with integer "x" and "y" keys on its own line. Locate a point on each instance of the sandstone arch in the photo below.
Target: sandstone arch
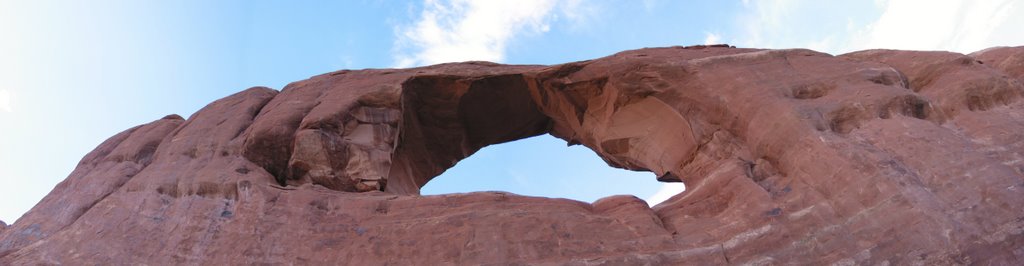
{"x": 789, "y": 156}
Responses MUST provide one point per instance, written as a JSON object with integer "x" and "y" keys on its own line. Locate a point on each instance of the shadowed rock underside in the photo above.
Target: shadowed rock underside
{"x": 788, "y": 156}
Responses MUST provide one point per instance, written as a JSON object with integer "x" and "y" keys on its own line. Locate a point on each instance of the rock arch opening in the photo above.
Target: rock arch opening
{"x": 448, "y": 118}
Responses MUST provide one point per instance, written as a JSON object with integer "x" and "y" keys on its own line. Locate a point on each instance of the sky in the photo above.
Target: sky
{"x": 73, "y": 73}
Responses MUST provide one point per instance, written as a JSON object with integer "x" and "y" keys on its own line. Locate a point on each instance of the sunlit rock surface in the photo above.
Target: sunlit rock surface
{"x": 789, "y": 156}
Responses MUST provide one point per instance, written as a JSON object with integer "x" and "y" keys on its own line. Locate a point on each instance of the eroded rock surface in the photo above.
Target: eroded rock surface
{"x": 789, "y": 156}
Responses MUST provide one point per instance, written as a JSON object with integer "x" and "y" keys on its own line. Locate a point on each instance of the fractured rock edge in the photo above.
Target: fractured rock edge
{"x": 791, "y": 156}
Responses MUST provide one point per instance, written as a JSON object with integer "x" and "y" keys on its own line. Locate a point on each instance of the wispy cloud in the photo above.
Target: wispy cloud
{"x": 463, "y": 30}
{"x": 712, "y": 38}
{"x": 650, "y": 5}
{"x": 665, "y": 192}
{"x": 961, "y": 26}
{"x": 5, "y": 101}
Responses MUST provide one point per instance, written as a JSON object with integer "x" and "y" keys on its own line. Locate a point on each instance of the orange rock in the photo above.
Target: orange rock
{"x": 789, "y": 157}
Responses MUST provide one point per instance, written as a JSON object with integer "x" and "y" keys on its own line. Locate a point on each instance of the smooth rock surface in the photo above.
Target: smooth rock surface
{"x": 789, "y": 157}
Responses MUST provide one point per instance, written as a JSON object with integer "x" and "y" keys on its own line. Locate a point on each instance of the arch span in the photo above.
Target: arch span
{"x": 397, "y": 136}
{"x": 447, "y": 118}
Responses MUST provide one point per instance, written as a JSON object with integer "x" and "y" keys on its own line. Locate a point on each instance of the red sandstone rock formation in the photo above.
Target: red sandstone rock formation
{"x": 789, "y": 156}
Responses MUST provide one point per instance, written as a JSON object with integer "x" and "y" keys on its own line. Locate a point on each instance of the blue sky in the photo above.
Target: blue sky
{"x": 73, "y": 73}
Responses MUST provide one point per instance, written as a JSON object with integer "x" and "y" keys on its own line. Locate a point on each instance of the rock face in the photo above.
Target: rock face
{"x": 789, "y": 156}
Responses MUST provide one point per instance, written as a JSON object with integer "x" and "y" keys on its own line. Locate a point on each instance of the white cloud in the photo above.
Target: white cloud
{"x": 665, "y": 192}
{"x": 961, "y": 26}
{"x": 712, "y": 38}
{"x": 463, "y": 30}
{"x": 5, "y": 101}
{"x": 762, "y": 22}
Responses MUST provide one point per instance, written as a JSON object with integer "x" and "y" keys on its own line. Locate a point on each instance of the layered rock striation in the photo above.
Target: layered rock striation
{"x": 788, "y": 156}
